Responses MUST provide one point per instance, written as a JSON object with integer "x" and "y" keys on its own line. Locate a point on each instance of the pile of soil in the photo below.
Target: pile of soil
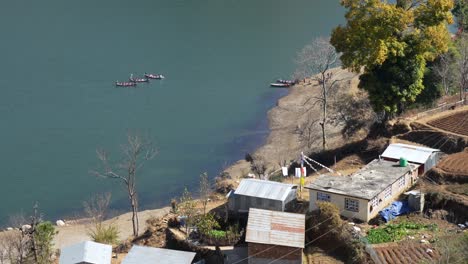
{"x": 456, "y": 163}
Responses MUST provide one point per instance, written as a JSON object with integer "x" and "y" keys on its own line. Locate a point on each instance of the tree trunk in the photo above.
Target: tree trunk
{"x": 324, "y": 112}
{"x": 134, "y": 204}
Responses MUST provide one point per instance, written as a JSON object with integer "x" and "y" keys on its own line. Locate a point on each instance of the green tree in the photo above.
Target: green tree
{"x": 206, "y": 223}
{"x": 204, "y": 190}
{"x": 391, "y": 42}
{"x": 43, "y": 237}
{"x": 188, "y": 208}
{"x": 461, "y": 13}
{"x": 461, "y": 64}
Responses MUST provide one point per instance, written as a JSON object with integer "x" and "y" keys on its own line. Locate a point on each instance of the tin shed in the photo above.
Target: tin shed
{"x": 149, "y": 255}
{"x": 253, "y": 193}
{"x": 275, "y": 236}
{"x": 426, "y": 157}
{"x": 86, "y": 253}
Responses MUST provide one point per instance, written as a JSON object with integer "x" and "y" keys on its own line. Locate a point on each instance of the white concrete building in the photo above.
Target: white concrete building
{"x": 363, "y": 194}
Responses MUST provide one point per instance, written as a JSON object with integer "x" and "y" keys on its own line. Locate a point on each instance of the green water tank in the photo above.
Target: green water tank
{"x": 403, "y": 162}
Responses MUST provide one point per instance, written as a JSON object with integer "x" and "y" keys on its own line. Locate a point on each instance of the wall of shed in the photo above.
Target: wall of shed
{"x": 432, "y": 161}
{"x": 365, "y": 213}
{"x": 242, "y": 203}
{"x": 264, "y": 254}
{"x": 290, "y": 201}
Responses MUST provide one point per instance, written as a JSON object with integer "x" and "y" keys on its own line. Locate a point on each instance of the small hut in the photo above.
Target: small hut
{"x": 140, "y": 254}
{"x": 269, "y": 195}
{"x": 425, "y": 157}
{"x": 86, "y": 253}
{"x": 275, "y": 236}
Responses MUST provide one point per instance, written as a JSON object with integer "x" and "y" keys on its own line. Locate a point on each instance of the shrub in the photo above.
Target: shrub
{"x": 206, "y": 223}
{"x": 223, "y": 237}
{"x": 44, "y": 237}
{"x": 248, "y": 157}
{"x": 105, "y": 234}
{"x": 174, "y": 206}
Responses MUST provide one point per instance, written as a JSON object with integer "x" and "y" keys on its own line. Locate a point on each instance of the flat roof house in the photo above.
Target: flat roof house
{"x": 269, "y": 195}
{"x": 363, "y": 194}
{"x": 86, "y": 252}
{"x": 273, "y": 235}
{"x": 426, "y": 157}
{"x": 150, "y": 255}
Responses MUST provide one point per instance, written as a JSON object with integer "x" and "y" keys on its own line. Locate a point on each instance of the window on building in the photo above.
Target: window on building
{"x": 388, "y": 192}
{"x": 375, "y": 202}
{"x": 352, "y": 205}
{"x": 325, "y": 197}
{"x": 401, "y": 182}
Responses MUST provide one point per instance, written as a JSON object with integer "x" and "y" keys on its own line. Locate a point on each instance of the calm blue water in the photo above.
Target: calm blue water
{"x": 59, "y": 59}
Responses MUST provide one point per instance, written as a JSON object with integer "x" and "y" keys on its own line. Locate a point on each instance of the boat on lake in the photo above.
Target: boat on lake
{"x": 154, "y": 76}
{"x": 125, "y": 84}
{"x": 280, "y": 84}
{"x": 290, "y": 82}
{"x": 137, "y": 80}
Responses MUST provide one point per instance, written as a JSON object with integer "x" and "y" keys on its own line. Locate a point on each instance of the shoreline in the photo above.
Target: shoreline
{"x": 280, "y": 142}
{"x": 77, "y": 230}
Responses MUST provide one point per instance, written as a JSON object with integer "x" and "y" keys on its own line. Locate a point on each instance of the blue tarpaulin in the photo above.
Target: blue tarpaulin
{"x": 395, "y": 209}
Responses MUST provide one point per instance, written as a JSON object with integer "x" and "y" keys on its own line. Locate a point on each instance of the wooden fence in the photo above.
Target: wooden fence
{"x": 441, "y": 108}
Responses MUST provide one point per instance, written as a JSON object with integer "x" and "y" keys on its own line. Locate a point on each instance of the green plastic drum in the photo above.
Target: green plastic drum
{"x": 403, "y": 162}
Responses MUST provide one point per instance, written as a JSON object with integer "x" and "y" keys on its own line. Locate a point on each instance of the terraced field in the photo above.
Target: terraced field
{"x": 456, "y": 123}
{"x": 397, "y": 254}
{"x": 456, "y": 163}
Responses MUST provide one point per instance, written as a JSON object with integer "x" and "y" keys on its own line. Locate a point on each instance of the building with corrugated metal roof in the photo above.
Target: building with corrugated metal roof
{"x": 423, "y": 156}
{"x": 141, "y": 254}
{"x": 262, "y": 194}
{"x": 86, "y": 252}
{"x": 363, "y": 194}
{"x": 275, "y": 236}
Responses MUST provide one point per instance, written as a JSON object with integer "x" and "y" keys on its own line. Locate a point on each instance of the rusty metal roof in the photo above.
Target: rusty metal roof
{"x": 264, "y": 189}
{"x": 275, "y": 228}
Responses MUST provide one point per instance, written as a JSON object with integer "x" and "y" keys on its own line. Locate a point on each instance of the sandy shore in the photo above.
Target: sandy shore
{"x": 283, "y": 142}
{"x": 75, "y": 233}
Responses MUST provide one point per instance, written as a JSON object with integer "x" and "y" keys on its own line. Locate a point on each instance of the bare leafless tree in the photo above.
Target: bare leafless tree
{"x": 136, "y": 152}
{"x": 443, "y": 70}
{"x": 204, "y": 190}
{"x": 19, "y": 245}
{"x": 352, "y": 112}
{"x": 462, "y": 64}
{"x": 258, "y": 165}
{"x": 96, "y": 207}
{"x": 306, "y": 132}
{"x": 13, "y": 247}
{"x": 319, "y": 58}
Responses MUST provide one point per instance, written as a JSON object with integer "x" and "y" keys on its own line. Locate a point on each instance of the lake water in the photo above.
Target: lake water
{"x": 59, "y": 59}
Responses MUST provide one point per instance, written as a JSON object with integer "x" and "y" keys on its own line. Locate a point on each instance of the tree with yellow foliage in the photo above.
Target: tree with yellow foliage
{"x": 391, "y": 43}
